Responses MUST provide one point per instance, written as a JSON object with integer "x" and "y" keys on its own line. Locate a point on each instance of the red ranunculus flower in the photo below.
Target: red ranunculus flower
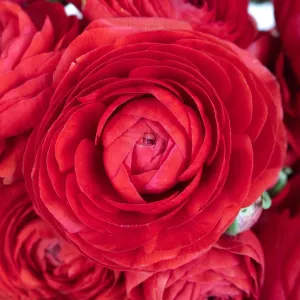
{"x": 232, "y": 269}
{"x": 153, "y": 142}
{"x": 227, "y": 19}
{"x": 288, "y": 66}
{"x": 280, "y": 237}
{"x": 29, "y": 53}
{"x": 26, "y": 33}
{"x": 37, "y": 264}
{"x": 278, "y": 230}
{"x": 287, "y": 23}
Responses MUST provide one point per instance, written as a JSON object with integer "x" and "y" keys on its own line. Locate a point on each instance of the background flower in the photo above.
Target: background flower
{"x": 266, "y": 48}
{"x": 288, "y": 66}
{"x": 279, "y": 235}
{"x": 226, "y": 19}
{"x": 37, "y": 264}
{"x": 278, "y": 231}
{"x": 287, "y": 14}
{"x": 29, "y": 52}
{"x": 233, "y": 269}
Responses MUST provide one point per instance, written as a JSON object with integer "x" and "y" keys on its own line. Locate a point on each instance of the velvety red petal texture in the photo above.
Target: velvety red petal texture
{"x": 288, "y": 66}
{"x": 37, "y": 264}
{"x": 227, "y": 19}
{"x": 30, "y": 47}
{"x": 280, "y": 237}
{"x": 232, "y": 269}
{"x": 153, "y": 142}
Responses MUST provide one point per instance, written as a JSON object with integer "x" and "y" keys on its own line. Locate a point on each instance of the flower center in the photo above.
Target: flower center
{"x": 52, "y": 254}
{"x": 149, "y": 139}
{"x": 144, "y": 149}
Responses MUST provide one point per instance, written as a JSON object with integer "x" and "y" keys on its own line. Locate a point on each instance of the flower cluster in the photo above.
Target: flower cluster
{"x": 139, "y": 146}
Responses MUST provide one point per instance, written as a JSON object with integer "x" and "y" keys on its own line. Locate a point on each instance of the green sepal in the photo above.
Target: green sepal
{"x": 266, "y": 200}
{"x": 281, "y": 182}
{"x": 233, "y": 229}
{"x": 288, "y": 171}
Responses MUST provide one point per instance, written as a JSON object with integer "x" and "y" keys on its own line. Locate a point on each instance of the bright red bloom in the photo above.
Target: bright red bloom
{"x": 37, "y": 264}
{"x": 26, "y": 33}
{"x": 29, "y": 52}
{"x": 153, "y": 142}
{"x": 278, "y": 231}
{"x": 227, "y": 19}
{"x": 287, "y": 14}
{"x": 287, "y": 22}
{"x": 232, "y": 269}
{"x": 280, "y": 237}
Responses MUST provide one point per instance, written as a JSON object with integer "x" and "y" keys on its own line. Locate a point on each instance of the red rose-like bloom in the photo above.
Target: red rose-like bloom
{"x": 26, "y": 67}
{"x": 36, "y": 264}
{"x": 287, "y": 14}
{"x": 291, "y": 101}
{"x": 153, "y": 142}
{"x": 280, "y": 237}
{"x": 287, "y": 23}
{"x": 26, "y": 33}
{"x": 227, "y": 19}
{"x": 232, "y": 269}
{"x": 278, "y": 230}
